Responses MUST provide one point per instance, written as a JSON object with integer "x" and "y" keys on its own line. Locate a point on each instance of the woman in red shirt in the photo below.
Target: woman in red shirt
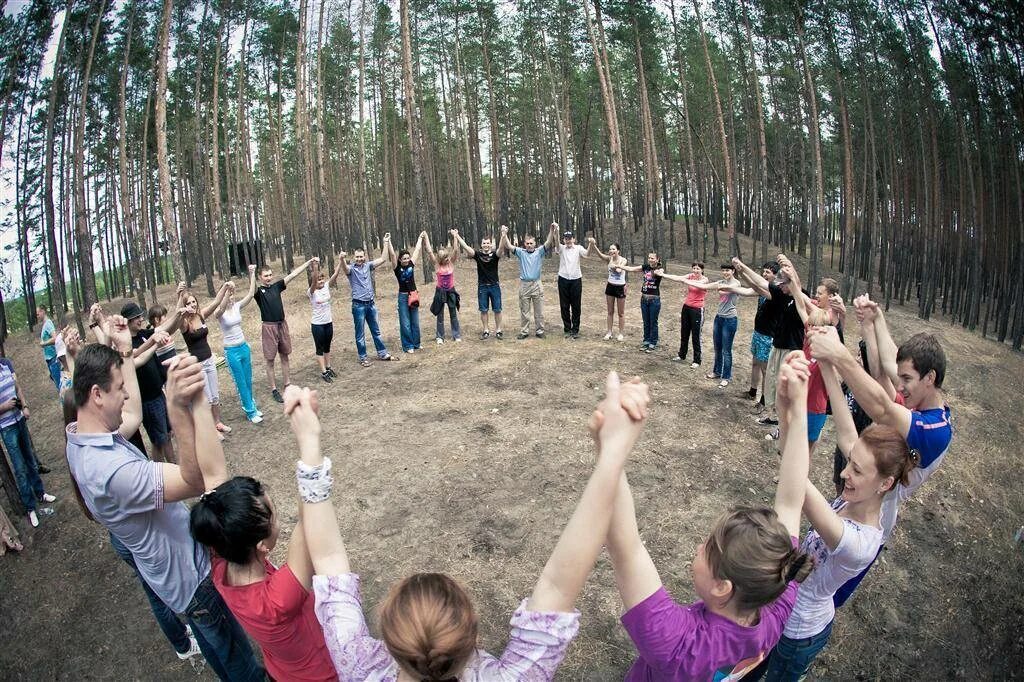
{"x": 236, "y": 519}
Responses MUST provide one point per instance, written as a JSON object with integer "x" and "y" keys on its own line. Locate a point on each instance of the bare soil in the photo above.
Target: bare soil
{"x": 468, "y": 458}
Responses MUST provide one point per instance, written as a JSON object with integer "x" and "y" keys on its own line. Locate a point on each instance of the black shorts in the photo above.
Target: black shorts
{"x": 615, "y": 290}
{"x": 322, "y": 335}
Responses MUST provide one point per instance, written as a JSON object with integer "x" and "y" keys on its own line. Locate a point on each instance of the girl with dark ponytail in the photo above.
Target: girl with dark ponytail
{"x": 237, "y": 521}
{"x": 745, "y": 573}
{"x": 845, "y": 536}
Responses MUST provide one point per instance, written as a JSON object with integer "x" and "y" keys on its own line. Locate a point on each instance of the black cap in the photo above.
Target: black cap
{"x": 131, "y": 310}
{"x": 567, "y": 233}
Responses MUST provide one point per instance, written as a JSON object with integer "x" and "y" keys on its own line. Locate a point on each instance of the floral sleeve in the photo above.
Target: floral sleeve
{"x": 356, "y": 655}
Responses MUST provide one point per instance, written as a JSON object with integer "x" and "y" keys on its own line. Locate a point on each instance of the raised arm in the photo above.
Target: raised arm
{"x": 333, "y": 281}
{"x": 846, "y": 430}
{"x": 552, "y": 239}
{"x": 121, "y": 340}
{"x": 209, "y": 451}
{"x": 757, "y": 282}
{"x": 184, "y": 387}
{"x": 429, "y": 249}
{"x": 392, "y": 256}
{"x": 504, "y": 245}
{"x": 635, "y": 573}
{"x": 887, "y": 349}
{"x": 323, "y": 538}
{"x": 742, "y": 291}
{"x": 592, "y": 246}
{"x": 343, "y": 263}
{"x": 208, "y": 310}
{"x": 385, "y": 246}
{"x": 144, "y": 352}
{"x": 297, "y": 271}
{"x": 826, "y": 346}
{"x": 573, "y": 557}
{"x": 791, "y": 404}
{"x": 252, "y": 287}
{"x": 314, "y": 270}
{"x": 416, "y": 250}
{"x": 867, "y": 314}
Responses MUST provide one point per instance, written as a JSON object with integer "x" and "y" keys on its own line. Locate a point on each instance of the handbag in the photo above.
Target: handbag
{"x": 414, "y": 299}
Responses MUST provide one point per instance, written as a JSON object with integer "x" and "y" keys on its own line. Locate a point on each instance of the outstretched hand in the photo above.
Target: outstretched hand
{"x": 794, "y": 374}
{"x": 825, "y": 344}
{"x": 118, "y": 333}
{"x": 185, "y": 380}
{"x": 72, "y": 341}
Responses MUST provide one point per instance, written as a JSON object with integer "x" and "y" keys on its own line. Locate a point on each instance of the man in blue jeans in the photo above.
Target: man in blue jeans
{"x": 18, "y": 443}
{"x": 141, "y": 502}
{"x": 488, "y": 288}
{"x": 47, "y": 340}
{"x": 364, "y": 310}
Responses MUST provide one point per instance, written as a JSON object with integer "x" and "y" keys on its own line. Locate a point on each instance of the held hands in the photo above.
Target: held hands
{"x": 72, "y": 341}
{"x": 825, "y": 344}
{"x": 302, "y": 406}
{"x": 343, "y": 254}
{"x": 185, "y": 381}
{"x": 736, "y": 262}
{"x": 252, "y": 268}
{"x": 180, "y": 290}
{"x": 387, "y": 237}
{"x": 161, "y": 338}
{"x": 96, "y": 314}
{"x": 794, "y": 374}
{"x": 118, "y": 333}
{"x": 866, "y": 309}
{"x": 617, "y": 421}
{"x": 504, "y": 230}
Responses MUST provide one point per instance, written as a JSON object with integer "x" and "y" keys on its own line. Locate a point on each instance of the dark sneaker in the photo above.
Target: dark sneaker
{"x": 499, "y": 335}
{"x": 326, "y": 376}
{"x": 575, "y": 335}
{"x": 330, "y": 370}
{"x": 43, "y": 469}
{"x": 277, "y": 396}
{"x": 485, "y": 335}
{"x": 540, "y": 333}
{"x": 522, "y": 335}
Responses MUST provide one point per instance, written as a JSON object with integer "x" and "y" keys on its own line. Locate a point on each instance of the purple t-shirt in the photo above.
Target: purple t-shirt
{"x": 677, "y": 642}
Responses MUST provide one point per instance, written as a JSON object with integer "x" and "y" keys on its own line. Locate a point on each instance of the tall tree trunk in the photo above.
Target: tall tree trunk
{"x": 163, "y": 164}
{"x": 49, "y": 222}
{"x": 411, "y": 119}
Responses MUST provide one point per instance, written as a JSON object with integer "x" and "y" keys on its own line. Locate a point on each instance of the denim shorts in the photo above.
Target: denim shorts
{"x": 760, "y": 347}
{"x": 154, "y": 418}
{"x": 488, "y": 293}
{"x": 815, "y": 423}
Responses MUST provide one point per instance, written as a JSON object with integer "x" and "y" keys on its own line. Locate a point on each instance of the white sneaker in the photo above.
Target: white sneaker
{"x": 695, "y": 365}
{"x": 193, "y": 646}
{"x": 410, "y": 351}
{"x": 619, "y": 337}
{"x": 458, "y": 340}
{"x": 440, "y": 342}
{"x": 256, "y": 419}
{"x": 723, "y": 383}
{"x": 33, "y": 518}
{"x": 608, "y": 336}
{"x": 47, "y": 497}
{"x": 259, "y": 413}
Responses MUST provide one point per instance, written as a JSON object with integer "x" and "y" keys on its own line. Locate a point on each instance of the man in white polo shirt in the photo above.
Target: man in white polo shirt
{"x": 570, "y": 281}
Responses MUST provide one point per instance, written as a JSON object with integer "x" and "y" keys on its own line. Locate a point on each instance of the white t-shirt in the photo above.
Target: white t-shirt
{"x": 855, "y": 552}
{"x": 320, "y": 299}
{"x": 231, "y": 326}
{"x": 569, "y": 261}
{"x": 59, "y": 345}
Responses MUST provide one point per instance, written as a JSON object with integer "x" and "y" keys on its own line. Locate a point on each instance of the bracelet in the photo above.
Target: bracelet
{"x": 314, "y": 481}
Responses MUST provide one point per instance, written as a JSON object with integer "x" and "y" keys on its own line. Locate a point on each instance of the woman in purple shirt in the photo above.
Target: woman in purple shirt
{"x": 742, "y": 572}
{"x": 428, "y": 624}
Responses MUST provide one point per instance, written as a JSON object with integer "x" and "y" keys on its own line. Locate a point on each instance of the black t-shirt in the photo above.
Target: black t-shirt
{"x": 269, "y": 301}
{"x": 769, "y": 310}
{"x": 151, "y": 382}
{"x": 197, "y": 341}
{"x": 486, "y": 267}
{"x": 789, "y": 329}
{"x": 650, "y": 283}
{"x": 406, "y": 276}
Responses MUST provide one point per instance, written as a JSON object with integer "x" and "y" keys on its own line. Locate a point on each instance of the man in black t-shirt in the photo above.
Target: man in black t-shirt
{"x": 145, "y": 341}
{"x": 488, "y": 289}
{"x": 274, "y": 336}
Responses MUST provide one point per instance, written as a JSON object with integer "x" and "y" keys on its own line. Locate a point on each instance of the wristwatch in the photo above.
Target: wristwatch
{"x": 125, "y": 354}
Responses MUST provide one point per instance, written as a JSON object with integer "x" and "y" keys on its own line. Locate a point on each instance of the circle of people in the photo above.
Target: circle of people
{"x": 767, "y": 600}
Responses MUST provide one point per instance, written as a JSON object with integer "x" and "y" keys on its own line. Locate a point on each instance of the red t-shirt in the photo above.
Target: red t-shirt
{"x": 278, "y": 613}
{"x": 694, "y": 296}
{"x": 817, "y": 396}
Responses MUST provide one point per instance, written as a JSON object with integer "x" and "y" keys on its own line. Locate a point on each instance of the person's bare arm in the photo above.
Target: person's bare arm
{"x": 144, "y": 352}
{"x": 742, "y": 291}
{"x": 323, "y": 538}
{"x": 846, "y": 430}
{"x": 344, "y": 263}
{"x": 592, "y": 246}
{"x": 299, "y": 562}
{"x": 416, "y": 250}
{"x": 576, "y": 551}
{"x": 209, "y": 308}
{"x": 552, "y": 240}
{"x": 209, "y": 450}
{"x": 821, "y": 516}
{"x": 874, "y": 368}
{"x": 333, "y": 281}
{"x": 252, "y": 288}
{"x": 504, "y": 246}
{"x": 382, "y": 258}
{"x": 121, "y": 340}
{"x": 185, "y": 381}
{"x": 826, "y": 346}
{"x": 428, "y": 247}
{"x": 297, "y": 271}
{"x": 635, "y": 573}
{"x": 791, "y": 404}
{"x": 887, "y": 349}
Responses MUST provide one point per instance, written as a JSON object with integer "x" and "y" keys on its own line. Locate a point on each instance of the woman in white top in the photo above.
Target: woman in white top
{"x": 845, "y": 536}
{"x": 322, "y": 323}
{"x": 236, "y": 349}
{"x": 615, "y": 290}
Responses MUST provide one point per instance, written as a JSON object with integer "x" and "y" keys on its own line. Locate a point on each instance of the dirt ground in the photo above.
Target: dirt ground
{"x": 468, "y": 458}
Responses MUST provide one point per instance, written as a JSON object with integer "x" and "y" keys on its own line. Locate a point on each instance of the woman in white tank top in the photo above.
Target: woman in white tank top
{"x": 236, "y": 349}
{"x": 615, "y": 290}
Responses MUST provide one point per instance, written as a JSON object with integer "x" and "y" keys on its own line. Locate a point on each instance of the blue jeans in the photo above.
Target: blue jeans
{"x": 724, "y": 333}
{"x": 240, "y": 363}
{"x": 366, "y": 312}
{"x": 453, "y": 313}
{"x": 168, "y": 621}
{"x": 223, "y": 642}
{"x": 408, "y": 323}
{"x": 650, "y": 309}
{"x": 791, "y": 658}
{"x": 23, "y": 461}
{"x": 53, "y": 365}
